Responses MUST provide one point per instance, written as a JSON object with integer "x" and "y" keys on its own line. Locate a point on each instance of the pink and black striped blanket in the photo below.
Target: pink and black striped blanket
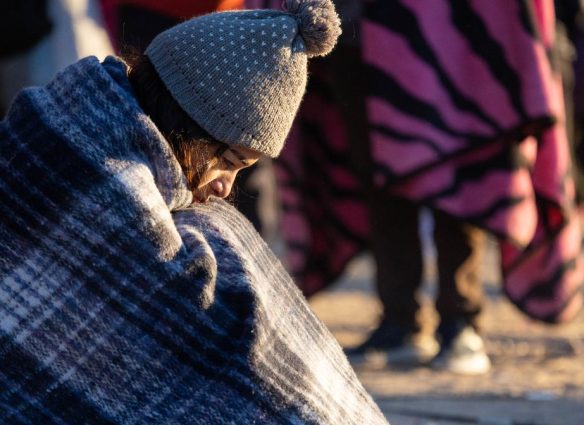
{"x": 465, "y": 114}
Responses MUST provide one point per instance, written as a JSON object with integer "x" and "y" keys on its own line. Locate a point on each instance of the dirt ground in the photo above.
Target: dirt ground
{"x": 538, "y": 370}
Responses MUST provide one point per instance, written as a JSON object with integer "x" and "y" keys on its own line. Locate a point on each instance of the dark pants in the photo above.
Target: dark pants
{"x": 397, "y": 249}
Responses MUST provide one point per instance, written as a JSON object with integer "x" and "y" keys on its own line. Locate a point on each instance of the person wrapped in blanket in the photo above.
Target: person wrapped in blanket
{"x": 130, "y": 292}
{"x": 132, "y": 25}
{"x": 479, "y": 136}
{"x": 455, "y": 106}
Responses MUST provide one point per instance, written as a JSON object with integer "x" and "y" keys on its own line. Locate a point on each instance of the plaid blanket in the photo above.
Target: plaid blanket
{"x": 120, "y": 302}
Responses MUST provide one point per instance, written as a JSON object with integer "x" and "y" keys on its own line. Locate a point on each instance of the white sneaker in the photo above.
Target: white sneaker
{"x": 465, "y": 354}
{"x": 393, "y": 345}
{"x": 417, "y": 349}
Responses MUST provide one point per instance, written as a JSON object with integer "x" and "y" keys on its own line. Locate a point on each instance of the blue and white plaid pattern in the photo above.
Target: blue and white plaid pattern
{"x": 121, "y": 303}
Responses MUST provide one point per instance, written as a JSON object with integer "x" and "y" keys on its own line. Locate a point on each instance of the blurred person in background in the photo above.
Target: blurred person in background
{"x": 570, "y": 52}
{"x": 456, "y": 106}
{"x": 133, "y": 24}
{"x": 41, "y": 37}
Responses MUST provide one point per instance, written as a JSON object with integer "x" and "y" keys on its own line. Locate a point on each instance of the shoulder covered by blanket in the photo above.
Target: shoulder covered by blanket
{"x": 120, "y": 302}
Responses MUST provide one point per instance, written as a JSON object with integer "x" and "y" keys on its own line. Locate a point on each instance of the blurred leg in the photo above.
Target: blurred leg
{"x": 397, "y": 250}
{"x": 460, "y": 249}
{"x": 396, "y": 247}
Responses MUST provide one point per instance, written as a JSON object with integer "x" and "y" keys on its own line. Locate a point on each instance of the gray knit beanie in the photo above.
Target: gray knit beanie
{"x": 241, "y": 75}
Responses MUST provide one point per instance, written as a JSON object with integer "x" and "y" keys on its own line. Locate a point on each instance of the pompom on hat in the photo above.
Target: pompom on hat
{"x": 241, "y": 75}
{"x": 318, "y": 25}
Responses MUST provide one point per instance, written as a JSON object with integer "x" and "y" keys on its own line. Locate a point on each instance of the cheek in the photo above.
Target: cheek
{"x": 232, "y": 175}
{"x": 207, "y": 177}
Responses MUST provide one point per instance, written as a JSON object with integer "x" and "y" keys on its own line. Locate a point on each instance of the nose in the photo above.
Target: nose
{"x": 222, "y": 186}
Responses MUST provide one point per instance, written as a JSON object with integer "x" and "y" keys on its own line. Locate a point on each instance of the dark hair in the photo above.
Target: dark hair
{"x": 182, "y": 133}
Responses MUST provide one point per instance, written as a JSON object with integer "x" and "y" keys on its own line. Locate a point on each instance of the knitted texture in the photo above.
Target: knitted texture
{"x": 241, "y": 75}
{"x": 122, "y": 304}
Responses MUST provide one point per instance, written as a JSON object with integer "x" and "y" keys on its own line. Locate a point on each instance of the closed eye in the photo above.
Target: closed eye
{"x": 229, "y": 163}
{"x": 235, "y": 160}
{"x": 245, "y": 162}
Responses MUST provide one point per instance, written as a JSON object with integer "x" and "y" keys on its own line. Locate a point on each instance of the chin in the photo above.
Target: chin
{"x": 200, "y": 198}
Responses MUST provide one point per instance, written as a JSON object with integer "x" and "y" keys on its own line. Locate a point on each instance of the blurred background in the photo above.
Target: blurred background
{"x": 428, "y": 201}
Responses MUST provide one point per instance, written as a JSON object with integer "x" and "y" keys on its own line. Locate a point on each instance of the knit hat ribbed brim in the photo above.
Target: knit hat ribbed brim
{"x": 241, "y": 75}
